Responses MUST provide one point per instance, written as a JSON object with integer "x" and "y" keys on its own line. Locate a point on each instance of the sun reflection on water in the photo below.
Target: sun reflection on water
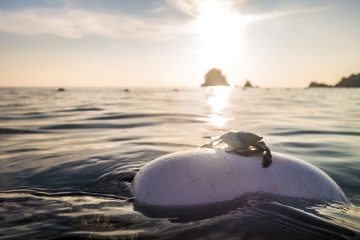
{"x": 218, "y": 100}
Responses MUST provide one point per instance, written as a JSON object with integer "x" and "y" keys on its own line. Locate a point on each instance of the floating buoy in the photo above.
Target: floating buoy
{"x": 207, "y": 176}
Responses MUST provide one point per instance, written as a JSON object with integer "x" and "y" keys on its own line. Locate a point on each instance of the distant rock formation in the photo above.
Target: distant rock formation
{"x": 248, "y": 84}
{"x": 352, "y": 81}
{"x": 319, "y": 85}
{"x": 61, "y": 89}
{"x": 214, "y": 77}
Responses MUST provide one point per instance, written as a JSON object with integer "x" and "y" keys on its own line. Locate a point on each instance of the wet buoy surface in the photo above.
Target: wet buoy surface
{"x": 206, "y": 176}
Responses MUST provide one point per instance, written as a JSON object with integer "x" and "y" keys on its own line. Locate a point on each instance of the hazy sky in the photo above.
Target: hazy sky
{"x": 174, "y": 42}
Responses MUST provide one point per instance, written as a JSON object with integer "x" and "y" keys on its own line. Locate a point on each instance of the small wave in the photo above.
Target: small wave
{"x": 331, "y": 153}
{"x": 304, "y": 145}
{"x": 32, "y": 113}
{"x": 315, "y": 132}
{"x": 117, "y": 177}
{"x": 18, "y": 131}
{"x": 81, "y": 109}
{"x": 60, "y": 193}
{"x": 96, "y": 126}
{"x": 143, "y": 115}
{"x": 21, "y": 150}
{"x": 167, "y": 144}
{"x": 14, "y": 105}
{"x": 123, "y": 139}
{"x": 24, "y": 117}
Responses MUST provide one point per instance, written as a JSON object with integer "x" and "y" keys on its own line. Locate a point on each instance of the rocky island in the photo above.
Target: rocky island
{"x": 214, "y": 77}
{"x": 353, "y": 81}
{"x": 319, "y": 85}
{"x": 248, "y": 84}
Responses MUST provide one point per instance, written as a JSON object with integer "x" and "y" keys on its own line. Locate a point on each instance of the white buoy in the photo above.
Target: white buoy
{"x": 206, "y": 176}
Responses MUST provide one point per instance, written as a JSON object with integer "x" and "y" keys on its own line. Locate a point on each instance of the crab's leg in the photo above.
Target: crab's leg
{"x": 207, "y": 145}
{"x": 212, "y": 143}
{"x": 267, "y": 158}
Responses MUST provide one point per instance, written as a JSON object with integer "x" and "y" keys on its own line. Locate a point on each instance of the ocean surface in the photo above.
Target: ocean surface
{"x": 68, "y": 158}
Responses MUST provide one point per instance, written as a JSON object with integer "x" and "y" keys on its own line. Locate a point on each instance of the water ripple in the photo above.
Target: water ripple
{"x": 97, "y": 126}
{"x": 19, "y": 131}
{"x": 315, "y": 132}
{"x": 81, "y": 109}
{"x": 142, "y": 115}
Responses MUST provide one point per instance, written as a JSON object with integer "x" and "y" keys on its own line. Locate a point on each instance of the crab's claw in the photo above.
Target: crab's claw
{"x": 267, "y": 159}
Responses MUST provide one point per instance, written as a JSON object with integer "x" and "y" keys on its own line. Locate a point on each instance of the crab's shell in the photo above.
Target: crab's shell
{"x": 205, "y": 176}
{"x": 240, "y": 140}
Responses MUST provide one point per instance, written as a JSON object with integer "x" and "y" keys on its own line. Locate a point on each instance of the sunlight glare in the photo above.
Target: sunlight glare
{"x": 217, "y": 120}
{"x": 220, "y": 32}
{"x": 218, "y": 100}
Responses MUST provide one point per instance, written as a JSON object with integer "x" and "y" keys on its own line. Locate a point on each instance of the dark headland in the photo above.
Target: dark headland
{"x": 353, "y": 81}
{"x": 214, "y": 77}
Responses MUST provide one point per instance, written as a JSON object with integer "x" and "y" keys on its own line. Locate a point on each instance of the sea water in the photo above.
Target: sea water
{"x": 68, "y": 158}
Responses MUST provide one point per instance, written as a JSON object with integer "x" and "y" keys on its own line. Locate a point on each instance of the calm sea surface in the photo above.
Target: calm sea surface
{"x": 67, "y": 160}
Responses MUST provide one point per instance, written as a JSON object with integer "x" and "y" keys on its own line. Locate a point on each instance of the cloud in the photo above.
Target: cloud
{"x": 287, "y": 12}
{"x": 193, "y": 8}
{"x": 75, "y": 23}
{"x": 188, "y": 7}
{"x": 71, "y": 22}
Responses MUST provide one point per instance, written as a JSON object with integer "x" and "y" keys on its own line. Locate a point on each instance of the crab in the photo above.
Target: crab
{"x": 242, "y": 143}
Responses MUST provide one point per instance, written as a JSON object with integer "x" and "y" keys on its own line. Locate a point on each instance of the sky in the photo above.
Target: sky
{"x": 173, "y": 43}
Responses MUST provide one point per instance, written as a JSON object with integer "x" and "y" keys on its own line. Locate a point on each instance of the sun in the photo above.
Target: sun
{"x": 220, "y": 33}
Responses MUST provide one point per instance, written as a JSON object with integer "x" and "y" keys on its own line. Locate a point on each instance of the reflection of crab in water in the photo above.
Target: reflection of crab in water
{"x": 243, "y": 143}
